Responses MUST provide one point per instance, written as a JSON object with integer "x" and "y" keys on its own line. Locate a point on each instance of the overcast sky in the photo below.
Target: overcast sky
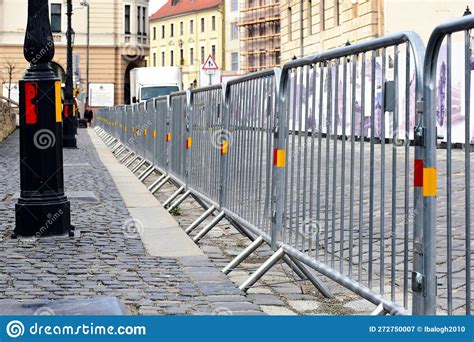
{"x": 155, "y": 4}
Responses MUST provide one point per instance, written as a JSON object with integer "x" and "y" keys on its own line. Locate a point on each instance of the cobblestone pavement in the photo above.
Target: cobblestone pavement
{"x": 105, "y": 260}
{"x": 280, "y": 291}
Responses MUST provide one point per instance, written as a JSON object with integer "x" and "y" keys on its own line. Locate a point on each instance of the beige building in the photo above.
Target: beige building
{"x": 232, "y": 38}
{"x": 310, "y": 26}
{"x": 119, "y": 41}
{"x": 185, "y": 33}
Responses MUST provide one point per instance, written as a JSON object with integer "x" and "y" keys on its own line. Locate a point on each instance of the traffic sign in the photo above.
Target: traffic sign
{"x": 210, "y": 64}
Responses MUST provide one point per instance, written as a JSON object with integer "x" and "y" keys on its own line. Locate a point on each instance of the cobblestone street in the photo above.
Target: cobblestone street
{"x": 105, "y": 259}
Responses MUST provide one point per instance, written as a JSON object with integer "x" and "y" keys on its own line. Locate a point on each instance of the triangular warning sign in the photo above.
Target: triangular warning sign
{"x": 210, "y": 64}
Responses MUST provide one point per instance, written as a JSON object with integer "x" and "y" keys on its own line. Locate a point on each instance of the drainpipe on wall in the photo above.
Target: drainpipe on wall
{"x": 301, "y": 28}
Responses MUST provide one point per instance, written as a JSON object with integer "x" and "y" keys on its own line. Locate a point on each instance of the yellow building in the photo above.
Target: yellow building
{"x": 184, "y": 33}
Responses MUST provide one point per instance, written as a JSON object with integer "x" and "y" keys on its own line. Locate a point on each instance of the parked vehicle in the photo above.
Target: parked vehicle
{"x": 147, "y": 83}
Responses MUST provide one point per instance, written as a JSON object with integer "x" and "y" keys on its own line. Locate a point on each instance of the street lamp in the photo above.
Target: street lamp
{"x": 69, "y": 121}
{"x": 86, "y": 4}
{"x": 42, "y": 209}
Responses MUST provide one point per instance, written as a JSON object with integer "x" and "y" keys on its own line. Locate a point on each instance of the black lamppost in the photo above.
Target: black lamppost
{"x": 69, "y": 130}
{"x": 42, "y": 209}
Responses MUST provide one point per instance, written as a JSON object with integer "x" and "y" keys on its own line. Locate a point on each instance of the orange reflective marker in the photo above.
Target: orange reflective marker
{"x": 168, "y": 137}
{"x": 429, "y": 182}
{"x": 144, "y": 132}
{"x": 154, "y": 134}
{"x": 31, "y": 97}
{"x": 59, "y": 113}
{"x": 279, "y": 158}
{"x": 224, "y": 147}
{"x": 189, "y": 143}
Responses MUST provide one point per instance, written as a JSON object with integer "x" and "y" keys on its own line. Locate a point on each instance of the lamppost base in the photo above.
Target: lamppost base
{"x": 43, "y": 217}
{"x": 69, "y": 142}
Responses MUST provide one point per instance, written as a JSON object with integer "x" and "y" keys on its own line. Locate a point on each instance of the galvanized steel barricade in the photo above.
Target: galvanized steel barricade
{"x": 161, "y": 133}
{"x": 205, "y": 120}
{"x": 178, "y": 135}
{"x": 343, "y": 198}
{"x": 247, "y": 148}
{"x": 147, "y": 130}
{"x": 445, "y": 282}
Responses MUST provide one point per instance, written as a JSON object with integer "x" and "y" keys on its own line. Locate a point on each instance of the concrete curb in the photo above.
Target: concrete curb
{"x": 161, "y": 234}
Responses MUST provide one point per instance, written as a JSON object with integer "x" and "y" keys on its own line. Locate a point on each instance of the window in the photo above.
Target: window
{"x": 163, "y": 31}
{"x": 213, "y": 23}
{"x": 171, "y": 30}
{"x": 144, "y": 20}
{"x": 235, "y": 5}
{"x": 235, "y": 61}
{"x": 181, "y": 28}
{"x": 181, "y": 57}
{"x": 191, "y": 27}
{"x": 202, "y": 55}
{"x": 213, "y": 49}
{"x": 154, "y": 33}
{"x": 234, "y": 31}
{"x": 290, "y": 26}
{"x": 154, "y": 59}
{"x": 127, "y": 19}
{"x": 162, "y": 59}
{"x": 322, "y": 16}
{"x": 139, "y": 20}
{"x": 172, "y": 58}
{"x": 56, "y": 17}
{"x": 336, "y": 13}
{"x": 191, "y": 56}
{"x": 310, "y": 17}
{"x": 202, "y": 24}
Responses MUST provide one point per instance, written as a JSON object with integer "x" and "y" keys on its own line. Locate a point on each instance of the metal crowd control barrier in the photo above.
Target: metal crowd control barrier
{"x": 445, "y": 281}
{"x": 318, "y": 162}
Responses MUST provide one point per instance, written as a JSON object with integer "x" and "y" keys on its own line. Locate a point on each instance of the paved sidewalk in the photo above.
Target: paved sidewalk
{"x": 108, "y": 258}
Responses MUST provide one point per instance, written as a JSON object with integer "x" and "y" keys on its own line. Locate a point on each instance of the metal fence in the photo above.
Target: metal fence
{"x": 333, "y": 162}
{"x": 445, "y": 278}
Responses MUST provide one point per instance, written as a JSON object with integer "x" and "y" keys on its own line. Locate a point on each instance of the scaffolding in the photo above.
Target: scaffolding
{"x": 260, "y": 34}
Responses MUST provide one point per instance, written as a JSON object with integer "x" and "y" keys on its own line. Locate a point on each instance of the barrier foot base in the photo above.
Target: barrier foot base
{"x": 379, "y": 311}
{"x": 139, "y": 165}
{"x": 200, "y": 219}
{"x": 159, "y": 186}
{"x": 322, "y": 288}
{"x": 131, "y": 161}
{"x": 124, "y": 158}
{"x": 208, "y": 228}
{"x": 155, "y": 183}
{"x": 146, "y": 173}
{"x": 266, "y": 266}
{"x": 173, "y": 196}
{"x": 244, "y": 255}
{"x": 179, "y": 200}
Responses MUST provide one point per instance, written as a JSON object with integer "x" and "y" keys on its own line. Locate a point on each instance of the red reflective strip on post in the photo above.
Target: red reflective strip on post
{"x": 418, "y": 173}
{"x": 31, "y": 98}
{"x": 66, "y": 111}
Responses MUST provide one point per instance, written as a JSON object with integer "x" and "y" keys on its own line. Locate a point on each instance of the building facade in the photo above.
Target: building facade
{"x": 118, "y": 40}
{"x": 184, "y": 33}
{"x": 311, "y": 26}
{"x": 232, "y": 38}
{"x": 260, "y": 34}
